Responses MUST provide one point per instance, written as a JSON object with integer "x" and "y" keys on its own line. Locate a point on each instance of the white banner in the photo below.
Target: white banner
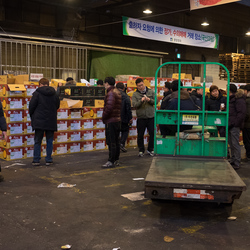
{"x": 197, "y": 4}
{"x": 167, "y": 33}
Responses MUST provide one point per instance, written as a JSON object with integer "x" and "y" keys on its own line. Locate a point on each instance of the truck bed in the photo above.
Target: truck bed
{"x": 200, "y": 179}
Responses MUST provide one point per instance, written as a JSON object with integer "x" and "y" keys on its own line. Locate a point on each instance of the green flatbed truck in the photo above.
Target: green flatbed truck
{"x": 192, "y": 169}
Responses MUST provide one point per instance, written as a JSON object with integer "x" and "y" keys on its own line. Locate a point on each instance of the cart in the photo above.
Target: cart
{"x": 192, "y": 169}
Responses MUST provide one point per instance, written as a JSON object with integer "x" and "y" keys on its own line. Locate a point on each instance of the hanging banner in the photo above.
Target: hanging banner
{"x": 197, "y": 4}
{"x": 166, "y": 33}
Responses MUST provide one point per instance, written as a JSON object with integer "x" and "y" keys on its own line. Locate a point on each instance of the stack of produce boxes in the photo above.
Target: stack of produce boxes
{"x": 14, "y": 99}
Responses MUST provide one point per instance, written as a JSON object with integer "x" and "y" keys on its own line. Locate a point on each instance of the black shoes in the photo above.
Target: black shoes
{"x": 108, "y": 164}
{"x": 49, "y": 163}
{"x": 122, "y": 148}
{"x": 34, "y": 163}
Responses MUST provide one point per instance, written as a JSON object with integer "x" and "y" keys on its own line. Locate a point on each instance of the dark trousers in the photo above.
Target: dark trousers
{"x": 49, "y": 144}
{"x": 246, "y": 141}
{"x": 142, "y": 124}
{"x": 124, "y": 133}
{"x": 112, "y": 131}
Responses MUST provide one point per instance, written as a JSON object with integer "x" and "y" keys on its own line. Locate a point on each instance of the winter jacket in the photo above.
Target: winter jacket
{"x": 237, "y": 110}
{"x": 126, "y": 113}
{"x": 144, "y": 110}
{"x": 186, "y": 102}
{"x": 213, "y": 104}
{"x": 165, "y": 99}
{"x": 247, "y": 119}
{"x": 43, "y": 108}
{"x": 3, "y": 125}
{"x": 197, "y": 98}
{"x": 112, "y": 106}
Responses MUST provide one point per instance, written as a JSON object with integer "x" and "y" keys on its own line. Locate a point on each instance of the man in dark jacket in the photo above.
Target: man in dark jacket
{"x": 186, "y": 103}
{"x": 3, "y": 128}
{"x": 43, "y": 112}
{"x": 216, "y": 102}
{"x": 197, "y": 95}
{"x": 237, "y": 113}
{"x": 126, "y": 116}
{"x": 165, "y": 129}
{"x": 111, "y": 117}
{"x": 246, "y": 129}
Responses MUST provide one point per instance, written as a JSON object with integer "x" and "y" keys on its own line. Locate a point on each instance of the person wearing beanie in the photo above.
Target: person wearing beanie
{"x": 216, "y": 102}
{"x": 143, "y": 101}
{"x": 246, "y": 129}
{"x": 237, "y": 114}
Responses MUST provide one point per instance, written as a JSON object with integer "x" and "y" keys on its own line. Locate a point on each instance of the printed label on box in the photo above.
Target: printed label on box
{"x": 16, "y": 116}
{"x": 62, "y": 149}
{"x": 75, "y": 136}
{"x": 16, "y": 129}
{"x": 16, "y": 104}
{"x": 75, "y": 125}
{"x": 16, "y": 153}
{"x": 62, "y": 137}
{"x": 62, "y": 114}
{"x": 100, "y": 145}
{"x": 88, "y": 124}
{"x": 132, "y": 132}
{"x": 99, "y": 113}
{"x": 88, "y": 146}
{"x": 16, "y": 141}
{"x": 62, "y": 125}
{"x": 29, "y": 140}
{"x": 76, "y": 147}
{"x": 76, "y": 114}
{"x": 88, "y": 135}
{"x": 100, "y": 124}
{"x": 100, "y": 134}
{"x": 28, "y": 128}
{"x": 29, "y": 152}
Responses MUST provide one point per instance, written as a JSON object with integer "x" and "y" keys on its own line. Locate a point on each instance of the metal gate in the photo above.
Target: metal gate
{"x": 52, "y": 60}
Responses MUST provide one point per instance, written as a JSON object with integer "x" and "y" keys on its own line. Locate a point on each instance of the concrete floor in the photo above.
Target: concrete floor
{"x": 36, "y": 215}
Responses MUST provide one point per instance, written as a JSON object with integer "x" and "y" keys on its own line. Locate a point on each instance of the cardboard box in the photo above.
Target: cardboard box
{"x": 54, "y": 82}
{"x": 21, "y": 78}
{"x": 99, "y": 124}
{"x": 160, "y": 91}
{"x": 100, "y": 145}
{"x": 60, "y": 137}
{"x": 31, "y": 83}
{"x": 28, "y": 152}
{"x": 134, "y": 122}
{"x": 99, "y": 134}
{"x": 9, "y": 103}
{"x": 30, "y": 89}
{"x": 75, "y": 125}
{"x": 12, "y": 90}
{"x": 131, "y": 90}
{"x": 132, "y": 132}
{"x": 88, "y": 135}
{"x": 131, "y": 83}
{"x": 132, "y": 141}
{"x": 13, "y": 153}
{"x": 29, "y": 140}
{"x": 14, "y": 115}
{"x": 63, "y": 125}
{"x": 74, "y": 147}
{"x": 99, "y": 103}
{"x": 87, "y": 146}
{"x": 176, "y": 76}
{"x": 60, "y": 148}
{"x": 44, "y": 153}
{"x": 27, "y": 116}
{"x": 27, "y": 128}
{"x": 75, "y": 113}
{"x": 88, "y": 124}
{"x": 92, "y": 112}
{"x": 15, "y": 128}
{"x": 5, "y": 79}
{"x": 13, "y": 141}
{"x": 63, "y": 113}
{"x": 75, "y": 136}
{"x": 26, "y": 102}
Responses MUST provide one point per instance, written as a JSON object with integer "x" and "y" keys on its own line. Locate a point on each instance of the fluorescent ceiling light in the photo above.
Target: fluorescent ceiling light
{"x": 147, "y": 11}
{"x": 248, "y": 33}
{"x": 205, "y": 22}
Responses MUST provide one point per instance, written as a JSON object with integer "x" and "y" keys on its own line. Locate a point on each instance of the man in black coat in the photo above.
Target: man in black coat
{"x": 237, "y": 114}
{"x": 3, "y": 128}
{"x": 216, "y": 102}
{"x": 126, "y": 116}
{"x": 43, "y": 112}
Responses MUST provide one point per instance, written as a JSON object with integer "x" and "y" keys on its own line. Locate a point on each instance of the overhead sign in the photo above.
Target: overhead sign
{"x": 197, "y": 4}
{"x": 166, "y": 33}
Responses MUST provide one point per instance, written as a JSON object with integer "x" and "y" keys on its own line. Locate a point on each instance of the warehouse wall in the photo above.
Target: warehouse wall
{"x": 103, "y": 64}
